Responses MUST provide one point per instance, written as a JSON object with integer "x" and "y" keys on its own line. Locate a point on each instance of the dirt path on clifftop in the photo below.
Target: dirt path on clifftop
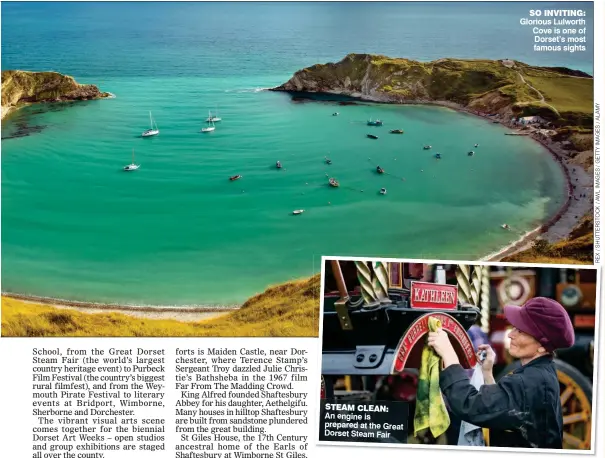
{"x": 538, "y": 92}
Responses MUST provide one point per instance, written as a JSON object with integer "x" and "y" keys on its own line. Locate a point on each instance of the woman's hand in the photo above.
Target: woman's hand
{"x": 487, "y": 364}
{"x": 440, "y": 342}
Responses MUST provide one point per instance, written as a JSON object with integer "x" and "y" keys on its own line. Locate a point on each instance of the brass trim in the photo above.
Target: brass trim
{"x": 343, "y": 313}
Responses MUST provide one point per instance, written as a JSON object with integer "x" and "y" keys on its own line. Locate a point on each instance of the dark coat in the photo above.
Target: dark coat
{"x": 522, "y": 410}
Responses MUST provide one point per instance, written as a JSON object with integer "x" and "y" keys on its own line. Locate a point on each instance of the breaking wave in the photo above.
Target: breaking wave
{"x": 247, "y": 90}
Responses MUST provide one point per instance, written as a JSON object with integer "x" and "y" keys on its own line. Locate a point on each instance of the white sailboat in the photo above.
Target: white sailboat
{"x": 214, "y": 118}
{"x": 131, "y": 167}
{"x": 153, "y": 128}
{"x": 210, "y": 127}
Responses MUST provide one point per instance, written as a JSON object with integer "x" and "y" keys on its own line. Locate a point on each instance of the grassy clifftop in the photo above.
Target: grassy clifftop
{"x": 21, "y": 87}
{"x": 505, "y": 87}
{"x": 287, "y": 310}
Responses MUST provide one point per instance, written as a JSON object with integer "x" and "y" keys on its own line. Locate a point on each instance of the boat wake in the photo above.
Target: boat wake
{"x": 248, "y": 90}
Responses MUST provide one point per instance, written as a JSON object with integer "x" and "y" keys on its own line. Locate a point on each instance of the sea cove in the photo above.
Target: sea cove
{"x": 177, "y": 232}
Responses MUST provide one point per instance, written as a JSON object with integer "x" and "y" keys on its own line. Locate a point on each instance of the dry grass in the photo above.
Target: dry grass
{"x": 287, "y": 310}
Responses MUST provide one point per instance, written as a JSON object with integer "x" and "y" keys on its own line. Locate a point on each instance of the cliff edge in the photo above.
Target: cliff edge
{"x": 22, "y": 87}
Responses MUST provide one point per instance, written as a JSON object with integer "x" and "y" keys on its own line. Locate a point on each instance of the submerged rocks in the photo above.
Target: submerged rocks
{"x": 22, "y": 129}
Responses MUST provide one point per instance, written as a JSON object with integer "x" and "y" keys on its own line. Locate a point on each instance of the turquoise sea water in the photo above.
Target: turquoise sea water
{"x": 178, "y": 231}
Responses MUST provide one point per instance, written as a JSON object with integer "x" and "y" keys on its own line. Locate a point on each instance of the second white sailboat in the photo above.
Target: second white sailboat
{"x": 132, "y": 166}
{"x": 210, "y": 127}
{"x": 153, "y": 128}
{"x": 213, "y": 118}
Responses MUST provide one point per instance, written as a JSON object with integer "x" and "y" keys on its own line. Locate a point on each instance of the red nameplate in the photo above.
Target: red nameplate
{"x": 433, "y": 296}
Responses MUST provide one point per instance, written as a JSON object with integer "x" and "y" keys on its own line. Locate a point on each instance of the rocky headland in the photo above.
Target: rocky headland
{"x": 502, "y": 87}
{"x": 552, "y": 105}
{"x": 20, "y": 88}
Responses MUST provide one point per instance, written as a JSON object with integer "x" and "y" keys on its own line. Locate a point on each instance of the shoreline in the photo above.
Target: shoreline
{"x": 559, "y": 226}
{"x": 565, "y": 215}
{"x": 178, "y": 313}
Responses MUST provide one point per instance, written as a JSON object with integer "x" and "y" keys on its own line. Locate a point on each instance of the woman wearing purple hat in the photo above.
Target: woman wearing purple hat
{"x": 523, "y": 409}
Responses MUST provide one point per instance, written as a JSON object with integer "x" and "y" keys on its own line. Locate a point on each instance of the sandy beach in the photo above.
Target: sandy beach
{"x": 560, "y": 225}
{"x": 183, "y": 314}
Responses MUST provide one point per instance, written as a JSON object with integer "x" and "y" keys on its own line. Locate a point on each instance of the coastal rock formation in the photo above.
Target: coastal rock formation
{"x": 496, "y": 87}
{"x": 21, "y": 87}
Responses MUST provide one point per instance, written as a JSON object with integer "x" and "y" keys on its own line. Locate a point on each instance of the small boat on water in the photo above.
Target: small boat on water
{"x": 383, "y": 191}
{"x": 328, "y": 161}
{"x": 438, "y": 156}
{"x": 298, "y": 212}
{"x": 476, "y": 145}
{"x": 335, "y": 114}
{"x": 396, "y": 131}
{"x": 131, "y": 167}
{"x": 427, "y": 147}
{"x": 505, "y": 226}
{"x": 333, "y": 182}
{"x": 377, "y": 122}
{"x": 471, "y": 153}
{"x": 153, "y": 128}
{"x": 210, "y": 127}
{"x": 213, "y": 118}
{"x": 375, "y": 137}
{"x": 379, "y": 169}
{"x": 278, "y": 165}
{"x": 235, "y": 177}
